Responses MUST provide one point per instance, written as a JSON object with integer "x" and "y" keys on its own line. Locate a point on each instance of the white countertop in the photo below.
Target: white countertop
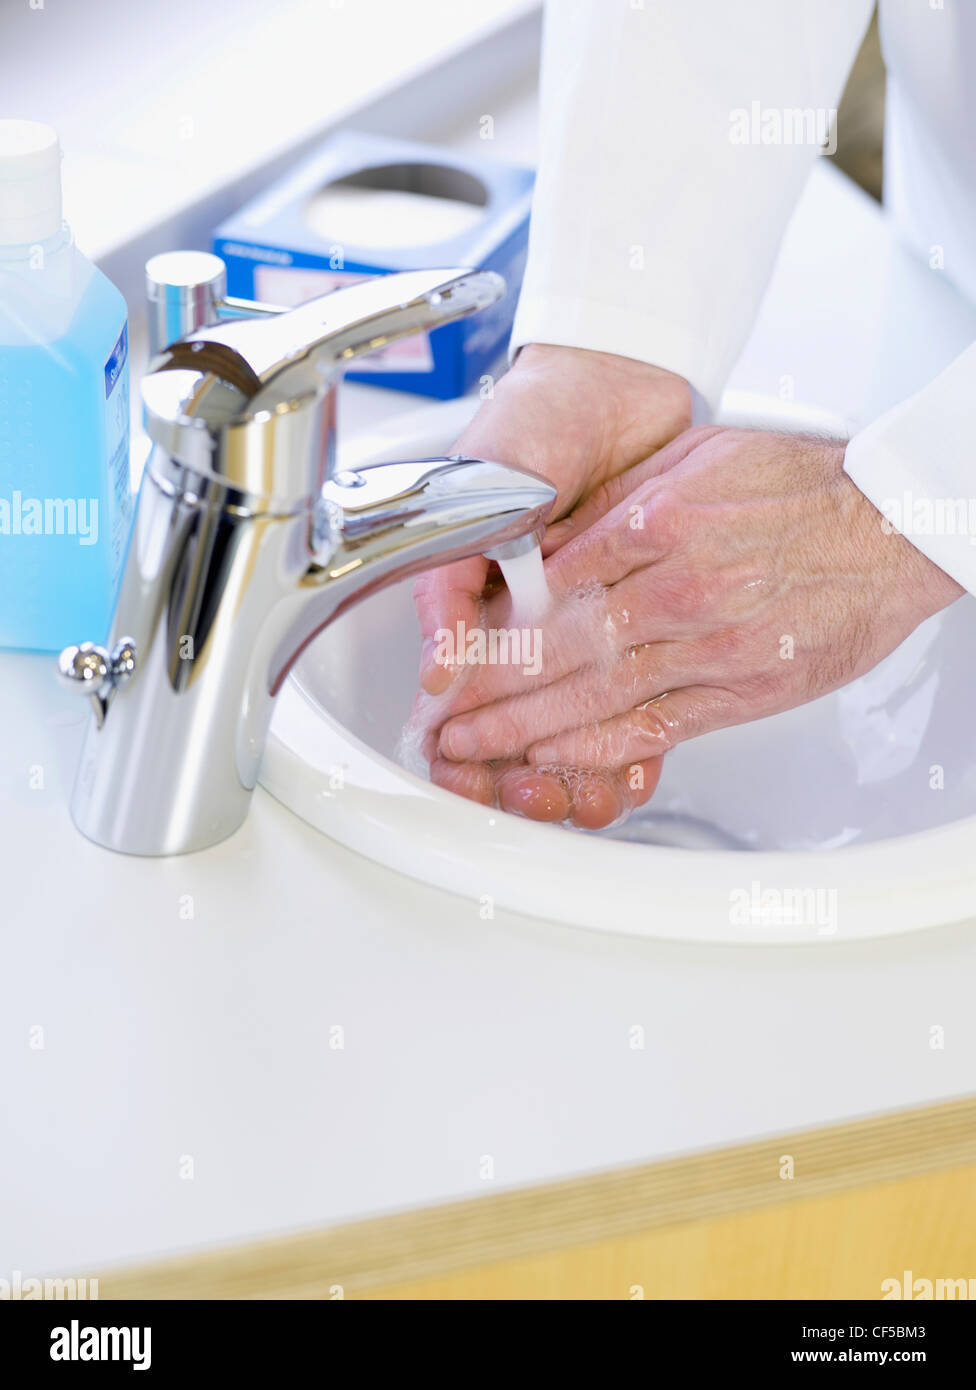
{"x": 210, "y": 1037}
{"x": 167, "y": 1036}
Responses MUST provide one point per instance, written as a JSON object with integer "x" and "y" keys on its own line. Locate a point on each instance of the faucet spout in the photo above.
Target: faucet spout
{"x": 391, "y": 520}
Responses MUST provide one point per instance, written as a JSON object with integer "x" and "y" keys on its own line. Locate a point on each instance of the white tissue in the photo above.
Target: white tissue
{"x": 381, "y": 218}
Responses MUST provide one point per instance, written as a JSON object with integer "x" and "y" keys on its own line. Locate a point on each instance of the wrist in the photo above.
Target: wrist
{"x": 627, "y": 374}
{"x": 923, "y": 586}
{"x": 932, "y": 588}
{"x": 644, "y": 405}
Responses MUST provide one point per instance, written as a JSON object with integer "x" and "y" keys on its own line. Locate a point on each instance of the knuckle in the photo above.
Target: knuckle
{"x": 423, "y": 585}
{"x": 606, "y": 550}
{"x": 484, "y": 690}
{"x": 691, "y": 594}
{"x": 507, "y": 728}
{"x": 729, "y": 647}
{"x": 609, "y": 494}
{"x": 664, "y": 518}
{"x": 654, "y": 723}
{"x": 760, "y": 693}
{"x": 701, "y": 434}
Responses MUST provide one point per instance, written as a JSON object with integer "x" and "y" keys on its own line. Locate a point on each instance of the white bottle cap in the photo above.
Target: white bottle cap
{"x": 30, "y": 182}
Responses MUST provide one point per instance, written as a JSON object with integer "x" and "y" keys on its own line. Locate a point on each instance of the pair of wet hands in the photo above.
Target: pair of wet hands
{"x": 471, "y": 731}
{"x": 741, "y": 573}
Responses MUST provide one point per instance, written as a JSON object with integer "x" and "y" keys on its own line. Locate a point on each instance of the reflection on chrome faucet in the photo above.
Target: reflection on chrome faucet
{"x": 247, "y": 542}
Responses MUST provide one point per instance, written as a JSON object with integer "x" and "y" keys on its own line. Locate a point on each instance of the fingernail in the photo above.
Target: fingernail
{"x": 459, "y": 742}
{"x": 597, "y": 804}
{"x": 435, "y": 677}
{"x": 538, "y": 798}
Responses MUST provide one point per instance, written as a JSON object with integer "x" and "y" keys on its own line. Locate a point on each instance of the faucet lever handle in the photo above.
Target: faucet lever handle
{"x": 288, "y": 353}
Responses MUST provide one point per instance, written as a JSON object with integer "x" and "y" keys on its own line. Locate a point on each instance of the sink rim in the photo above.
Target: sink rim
{"x": 905, "y": 883}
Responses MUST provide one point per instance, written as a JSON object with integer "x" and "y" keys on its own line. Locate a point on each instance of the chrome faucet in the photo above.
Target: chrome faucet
{"x": 246, "y": 540}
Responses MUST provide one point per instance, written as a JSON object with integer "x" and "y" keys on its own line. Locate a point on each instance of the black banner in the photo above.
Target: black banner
{"x": 170, "y": 1339}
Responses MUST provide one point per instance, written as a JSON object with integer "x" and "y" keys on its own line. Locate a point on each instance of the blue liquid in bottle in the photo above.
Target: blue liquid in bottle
{"x": 65, "y": 504}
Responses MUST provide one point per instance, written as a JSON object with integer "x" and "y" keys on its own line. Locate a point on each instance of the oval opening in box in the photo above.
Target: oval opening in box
{"x": 394, "y": 206}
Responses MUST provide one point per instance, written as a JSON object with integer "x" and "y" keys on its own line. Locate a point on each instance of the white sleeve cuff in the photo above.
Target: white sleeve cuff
{"x": 582, "y": 323}
{"x": 663, "y": 186}
{"x": 917, "y": 464}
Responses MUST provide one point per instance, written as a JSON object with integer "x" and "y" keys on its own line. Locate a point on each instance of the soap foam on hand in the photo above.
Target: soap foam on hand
{"x": 578, "y": 621}
{"x": 421, "y": 723}
{"x": 427, "y": 715}
{"x": 525, "y": 579}
{"x": 381, "y": 218}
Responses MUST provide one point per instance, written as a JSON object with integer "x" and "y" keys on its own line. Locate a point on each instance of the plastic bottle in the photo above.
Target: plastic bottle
{"x": 65, "y": 501}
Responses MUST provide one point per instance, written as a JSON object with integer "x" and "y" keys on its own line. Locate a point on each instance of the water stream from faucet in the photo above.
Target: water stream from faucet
{"x": 525, "y": 578}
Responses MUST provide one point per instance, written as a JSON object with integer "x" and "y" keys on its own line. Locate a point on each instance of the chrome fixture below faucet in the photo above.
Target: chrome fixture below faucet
{"x": 247, "y": 541}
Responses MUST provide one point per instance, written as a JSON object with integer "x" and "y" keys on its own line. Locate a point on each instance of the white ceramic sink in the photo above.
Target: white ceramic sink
{"x": 848, "y": 817}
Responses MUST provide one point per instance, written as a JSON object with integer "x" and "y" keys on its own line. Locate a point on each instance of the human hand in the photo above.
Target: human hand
{"x": 576, "y": 417}
{"x": 580, "y": 419}
{"x": 743, "y": 572}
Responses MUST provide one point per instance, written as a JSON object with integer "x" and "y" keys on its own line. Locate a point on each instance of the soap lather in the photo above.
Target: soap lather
{"x": 247, "y": 541}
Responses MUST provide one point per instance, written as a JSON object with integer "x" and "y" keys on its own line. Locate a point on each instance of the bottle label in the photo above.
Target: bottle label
{"x": 117, "y": 447}
{"x": 117, "y": 360}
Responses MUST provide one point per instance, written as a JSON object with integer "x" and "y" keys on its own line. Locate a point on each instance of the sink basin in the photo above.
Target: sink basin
{"x": 848, "y": 817}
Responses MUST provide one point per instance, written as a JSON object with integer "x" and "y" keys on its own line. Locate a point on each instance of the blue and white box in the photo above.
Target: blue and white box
{"x": 366, "y": 205}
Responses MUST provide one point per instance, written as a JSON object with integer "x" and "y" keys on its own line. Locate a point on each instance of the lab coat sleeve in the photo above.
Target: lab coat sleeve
{"x": 657, "y": 213}
{"x": 916, "y": 464}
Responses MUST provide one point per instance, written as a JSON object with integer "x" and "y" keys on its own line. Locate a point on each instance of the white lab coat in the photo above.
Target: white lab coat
{"x": 655, "y": 225}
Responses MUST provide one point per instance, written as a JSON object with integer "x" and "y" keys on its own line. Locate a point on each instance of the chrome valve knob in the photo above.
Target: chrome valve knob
{"x": 83, "y": 668}
{"x": 93, "y": 671}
